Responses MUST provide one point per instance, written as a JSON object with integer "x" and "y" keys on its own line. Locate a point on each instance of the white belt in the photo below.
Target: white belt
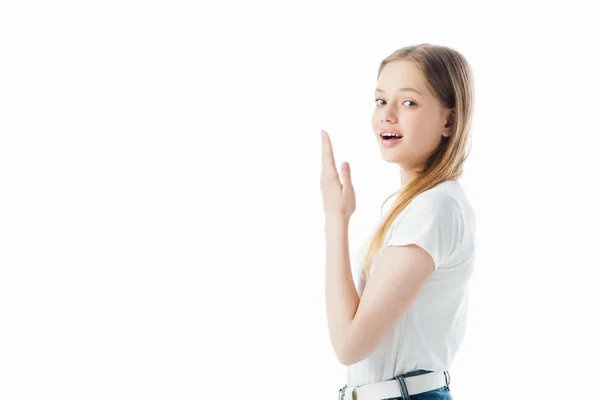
{"x": 391, "y": 388}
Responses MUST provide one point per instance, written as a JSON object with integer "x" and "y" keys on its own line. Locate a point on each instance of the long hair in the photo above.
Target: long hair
{"x": 449, "y": 77}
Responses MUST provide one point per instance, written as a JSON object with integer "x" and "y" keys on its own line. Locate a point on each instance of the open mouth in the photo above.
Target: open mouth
{"x": 390, "y": 136}
{"x": 390, "y": 139}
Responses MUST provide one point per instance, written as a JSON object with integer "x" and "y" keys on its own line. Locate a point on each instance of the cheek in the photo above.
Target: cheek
{"x": 420, "y": 126}
{"x": 374, "y": 122}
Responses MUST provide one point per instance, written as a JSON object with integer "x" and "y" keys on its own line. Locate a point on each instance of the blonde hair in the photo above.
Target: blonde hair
{"x": 449, "y": 77}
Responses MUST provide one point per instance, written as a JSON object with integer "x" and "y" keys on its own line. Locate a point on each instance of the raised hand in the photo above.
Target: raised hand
{"x": 339, "y": 200}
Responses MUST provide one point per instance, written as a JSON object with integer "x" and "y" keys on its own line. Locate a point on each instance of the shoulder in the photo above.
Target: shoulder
{"x": 434, "y": 201}
{"x": 439, "y": 203}
{"x": 433, "y": 220}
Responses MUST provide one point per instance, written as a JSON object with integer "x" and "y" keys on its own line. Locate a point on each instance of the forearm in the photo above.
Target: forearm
{"x": 341, "y": 296}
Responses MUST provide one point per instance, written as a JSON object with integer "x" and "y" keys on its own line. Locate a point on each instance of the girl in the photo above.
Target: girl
{"x": 398, "y": 323}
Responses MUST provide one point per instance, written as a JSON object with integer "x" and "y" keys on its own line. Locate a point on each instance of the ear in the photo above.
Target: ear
{"x": 450, "y": 121}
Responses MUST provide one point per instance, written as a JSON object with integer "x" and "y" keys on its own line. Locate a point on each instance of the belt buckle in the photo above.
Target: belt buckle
{"x": 342, "y": 392}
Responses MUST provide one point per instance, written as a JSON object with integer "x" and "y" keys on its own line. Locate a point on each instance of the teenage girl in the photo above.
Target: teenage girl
{"x": 398, "y": 321}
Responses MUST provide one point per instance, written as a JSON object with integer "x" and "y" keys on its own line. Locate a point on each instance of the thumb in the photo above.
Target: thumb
{"x": 346, "y": 176}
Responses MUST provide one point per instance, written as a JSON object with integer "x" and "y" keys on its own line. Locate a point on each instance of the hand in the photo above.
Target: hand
{"x": 338, "y": 200}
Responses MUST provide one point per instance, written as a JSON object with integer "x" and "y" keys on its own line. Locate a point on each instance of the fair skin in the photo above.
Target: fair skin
{"x": 357, "y": 325}
{"x": 417, "y": 115}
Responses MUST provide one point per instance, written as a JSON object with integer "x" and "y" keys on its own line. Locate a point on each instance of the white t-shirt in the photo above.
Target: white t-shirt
{"x": 442, "y": 222}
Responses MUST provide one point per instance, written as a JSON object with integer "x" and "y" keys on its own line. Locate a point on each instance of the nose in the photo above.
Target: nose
{"x": 388, "y": 116}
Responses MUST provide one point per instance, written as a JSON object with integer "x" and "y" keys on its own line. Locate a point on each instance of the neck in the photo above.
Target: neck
{"x": 407, "y": 176}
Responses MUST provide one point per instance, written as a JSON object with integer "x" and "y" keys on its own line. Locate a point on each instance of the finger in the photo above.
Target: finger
{"x": 328, "y": 159}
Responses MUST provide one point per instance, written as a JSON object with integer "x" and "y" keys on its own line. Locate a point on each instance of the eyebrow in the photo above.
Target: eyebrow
{"x": 404, "y": 89}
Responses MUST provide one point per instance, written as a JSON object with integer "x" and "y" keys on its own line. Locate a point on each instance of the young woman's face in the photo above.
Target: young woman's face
{"x": 404, "y": 106}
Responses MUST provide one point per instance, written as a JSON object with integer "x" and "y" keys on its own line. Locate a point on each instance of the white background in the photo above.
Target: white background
{"x": 161, "y": 229}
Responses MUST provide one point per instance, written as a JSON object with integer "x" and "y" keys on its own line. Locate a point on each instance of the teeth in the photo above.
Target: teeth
{"x": 388, "y": 135}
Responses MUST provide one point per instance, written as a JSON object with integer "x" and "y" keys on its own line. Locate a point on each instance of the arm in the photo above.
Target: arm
{"x": 340, "y": 294}
{"x": 358, "y": 326}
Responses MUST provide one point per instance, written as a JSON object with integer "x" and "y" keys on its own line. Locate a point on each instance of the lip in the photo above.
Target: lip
{"x": 389, "y": 130}
{"x": 389, "y": 142}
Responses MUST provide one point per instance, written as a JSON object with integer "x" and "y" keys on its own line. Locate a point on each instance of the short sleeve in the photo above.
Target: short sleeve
{"x": 433, "y": 222}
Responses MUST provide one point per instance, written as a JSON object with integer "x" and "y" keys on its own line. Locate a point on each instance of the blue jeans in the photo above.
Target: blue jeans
{"x": 442, "y": 393}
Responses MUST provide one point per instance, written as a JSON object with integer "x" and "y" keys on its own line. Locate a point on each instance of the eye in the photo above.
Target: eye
{"x": 381, "y": 102}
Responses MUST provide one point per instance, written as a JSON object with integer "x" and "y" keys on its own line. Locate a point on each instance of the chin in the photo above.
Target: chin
{"x": 391, "y": 157}
{"x": 390, "y": 160}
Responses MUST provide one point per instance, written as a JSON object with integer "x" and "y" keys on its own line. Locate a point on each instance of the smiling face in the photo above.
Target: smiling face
{"x": 406, "y": 108}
